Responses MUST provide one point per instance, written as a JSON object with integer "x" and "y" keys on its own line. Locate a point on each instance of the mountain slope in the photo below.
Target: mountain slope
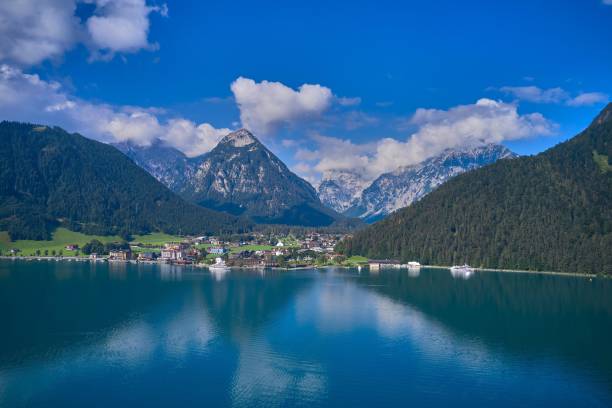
{"x": 50, "y": 177}
{"x": 241, "y": 176}
{"x": 399, "y": 189}
{"x": 168, "y": 165}
{"x": 552, "y": 211}
{"x": 338, "y": 189}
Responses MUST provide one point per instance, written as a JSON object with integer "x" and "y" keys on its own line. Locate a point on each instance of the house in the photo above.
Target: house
{"x": 313, "y": 244}
{"x": 280, "y": 244}
{"x": 377, "y": 264}
{"x": 172, "y": 254}
{"x": 217, "y": 250}
{"x": 193, "y": 253}
{"x": 120, "y": 255}
{"x": 174, "y": 251}
{"x": 71, "y": 247}
{"x": 146, "y": 256}
{"x": 176, "y": 246}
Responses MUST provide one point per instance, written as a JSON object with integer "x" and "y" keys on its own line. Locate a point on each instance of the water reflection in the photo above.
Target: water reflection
{"x": 168, "y": 272}
{"x": 172, "y": 335}
{"x": 462, "y": 273}
{"x": 563, "y": 317}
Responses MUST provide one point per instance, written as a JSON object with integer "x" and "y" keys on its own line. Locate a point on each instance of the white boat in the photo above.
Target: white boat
{"x": 462, "y": 271}
{"x": 414, "y": 265}
{"x": 219, "y": 266}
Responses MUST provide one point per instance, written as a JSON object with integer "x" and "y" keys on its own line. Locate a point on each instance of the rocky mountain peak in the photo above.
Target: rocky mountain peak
{"x": 407, "y": 184}
{"x": 239, "y": 138}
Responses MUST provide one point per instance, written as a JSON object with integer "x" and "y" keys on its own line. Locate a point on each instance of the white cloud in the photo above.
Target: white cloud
{"x": 554, "y": 95}
{"x": 287, "y": 143}
{"x": 120, "y": 26}
{"x": 265, "y": 105}
{"x": 32, "y": 31}
{"x": 193, "y": 139}
{"x": 535, "y": 94}
{"x": 137, "y": 127}
{"x": 337, "y": 154}
{"x": 486, "y": 121}
{"x": 588, "y": 98}
{"x": 344, "y": 101}
{"x": 25, "y": 97}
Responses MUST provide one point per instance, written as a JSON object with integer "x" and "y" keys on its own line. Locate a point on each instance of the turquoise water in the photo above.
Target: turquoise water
{"x": 79, "y": 334}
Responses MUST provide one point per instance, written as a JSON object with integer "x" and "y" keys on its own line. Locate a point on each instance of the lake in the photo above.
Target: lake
{"x": 80, "y": 334}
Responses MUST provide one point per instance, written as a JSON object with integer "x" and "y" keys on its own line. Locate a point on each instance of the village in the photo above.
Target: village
{"x": 253, "y": 251}
{"x": 256, "y": 250}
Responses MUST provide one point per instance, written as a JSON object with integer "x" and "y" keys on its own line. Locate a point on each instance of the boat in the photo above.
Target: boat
{"x": 462, "y": 271}
{"x": 219, "y": 266}
{"x": 414, "y": 265}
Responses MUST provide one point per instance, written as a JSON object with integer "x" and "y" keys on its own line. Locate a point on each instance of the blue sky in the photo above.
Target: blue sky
{"x": 145, "y": 66}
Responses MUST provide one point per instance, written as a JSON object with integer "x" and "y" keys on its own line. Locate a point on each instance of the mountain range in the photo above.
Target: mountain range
{"x": 239, "y": 176}
{"x": 552, "y": 211}
{"x": 349, "y": 194}
{"x": 49, "y": 177}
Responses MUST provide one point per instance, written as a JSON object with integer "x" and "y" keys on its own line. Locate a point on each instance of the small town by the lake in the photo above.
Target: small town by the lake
{"x": 256, "y": 250}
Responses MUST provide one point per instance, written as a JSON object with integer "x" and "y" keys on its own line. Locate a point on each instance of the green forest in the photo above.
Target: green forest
{"x": 50, "y": 178}
{"x": 549, "y": 212}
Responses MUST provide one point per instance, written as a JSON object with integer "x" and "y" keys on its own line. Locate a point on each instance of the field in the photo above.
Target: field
{"x": 356, "y": 259}
{"x": 61, "y": 238}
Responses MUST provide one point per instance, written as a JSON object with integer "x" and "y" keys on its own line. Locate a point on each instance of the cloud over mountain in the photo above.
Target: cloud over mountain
{"x": 27, "y": 97}
{"x": 265, "y": 105}
{"x": 486, "y": 121}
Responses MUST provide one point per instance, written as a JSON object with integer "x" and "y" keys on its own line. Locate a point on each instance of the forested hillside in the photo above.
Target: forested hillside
{"x": 49, "y": 177}
{"x": 552, "y": 211}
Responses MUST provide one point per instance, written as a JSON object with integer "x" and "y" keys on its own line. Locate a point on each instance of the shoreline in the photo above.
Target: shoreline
{"x": 135, "y": 262}
{"x": 578, "y": 274}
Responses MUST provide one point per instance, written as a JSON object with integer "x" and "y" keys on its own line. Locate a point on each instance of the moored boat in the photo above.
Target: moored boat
{"x": 462, "y": 271}
{"x": 218, "y": 266}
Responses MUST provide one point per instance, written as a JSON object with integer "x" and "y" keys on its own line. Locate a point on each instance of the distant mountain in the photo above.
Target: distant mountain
{"x": 338, "y": 189}
{"x": 552, "y": 211}
{"x": 49, "y": 177}
{"x": 398, "y": 189}
{"x": 239, "y": 176}
{"x": 168, "y": 165}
